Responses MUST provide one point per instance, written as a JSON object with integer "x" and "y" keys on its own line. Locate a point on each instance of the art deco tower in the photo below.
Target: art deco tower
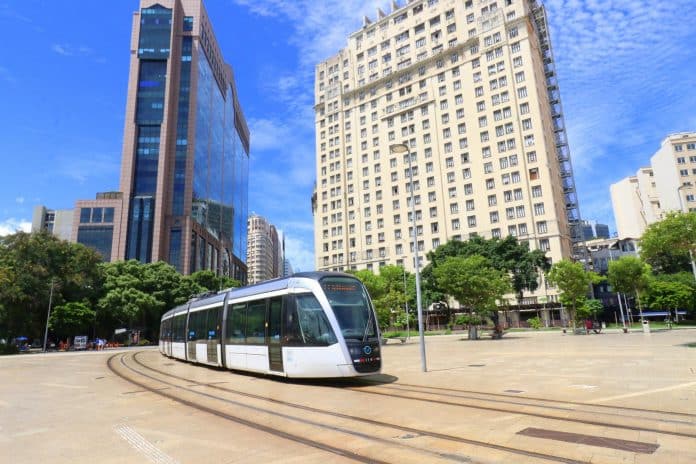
{"x": 470, "y": 88}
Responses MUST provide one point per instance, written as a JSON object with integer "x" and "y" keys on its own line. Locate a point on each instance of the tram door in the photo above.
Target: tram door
{"x": 275, "y": 350}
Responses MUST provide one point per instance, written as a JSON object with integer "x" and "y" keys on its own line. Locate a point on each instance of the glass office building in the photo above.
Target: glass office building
{"x": 186, "y": 146}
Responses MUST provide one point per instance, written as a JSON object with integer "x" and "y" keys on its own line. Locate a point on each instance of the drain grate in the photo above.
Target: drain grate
{"x": 592, "y": 440}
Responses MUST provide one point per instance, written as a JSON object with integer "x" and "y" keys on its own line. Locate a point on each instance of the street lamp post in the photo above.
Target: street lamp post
{"x": 401, "y": 148}
{"x": 408, "y": 326}
{"x": 48, "y": 316}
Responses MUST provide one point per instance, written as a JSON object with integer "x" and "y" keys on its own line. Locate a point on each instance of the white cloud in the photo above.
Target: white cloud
{"x": 19, "y": 200}
{"x": 80, "y": 168}
{"x": 299, "y": 253}
{"x": 11, "y": 225}
{"x": 71, "y": 50}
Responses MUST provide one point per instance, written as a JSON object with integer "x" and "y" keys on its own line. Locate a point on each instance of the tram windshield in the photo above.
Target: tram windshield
{"x": 351, "y": 305}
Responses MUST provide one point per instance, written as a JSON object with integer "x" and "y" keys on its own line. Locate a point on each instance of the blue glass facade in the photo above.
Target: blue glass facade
{"x": 220, "y": 172}
{"x": 153, "y": 53}
{"x": 98, "y": 238}
{"x": 207, "y": 170}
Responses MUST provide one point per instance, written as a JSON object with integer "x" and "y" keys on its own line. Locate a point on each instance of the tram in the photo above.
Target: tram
{"x": 312, "y": 325}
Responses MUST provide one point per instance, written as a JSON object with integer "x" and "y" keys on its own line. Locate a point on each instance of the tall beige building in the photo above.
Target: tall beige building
{"x": 265, "y": 250}
{"x": 669, "y": 184}
{"x": 470, "y": 87}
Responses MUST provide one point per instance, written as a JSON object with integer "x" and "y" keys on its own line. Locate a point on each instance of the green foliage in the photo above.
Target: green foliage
{"x": 666, "y": 295}
{"x": 136, "y": 295}
{"x": 665, "y": 245}
{"x": 209, "y": 281}
{"x": 469, "y": 319}
{"x": 686, "y": 280}
{"x": 507, "y": 254}
{"x": 30, "y": 264}
{"x": 630, "y": 274}
{"x": 574, "y": 283}
{"x": 590, "y": 309}
{"x": 386, "y": 290}
{"x": 535, "y": 323}
{"x": 70, "y": 319}
{"x": 472, "y": 281}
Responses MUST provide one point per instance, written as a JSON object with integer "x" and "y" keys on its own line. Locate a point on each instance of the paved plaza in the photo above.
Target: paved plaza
{"x": 530, "y": 397}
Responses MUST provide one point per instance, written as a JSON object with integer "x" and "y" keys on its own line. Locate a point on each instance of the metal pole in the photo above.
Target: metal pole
{"x": 419, "y": 304}
{"x": 623, "y": 321}
{"x": 48, "y": 316}
{"x": 408, "y": 327}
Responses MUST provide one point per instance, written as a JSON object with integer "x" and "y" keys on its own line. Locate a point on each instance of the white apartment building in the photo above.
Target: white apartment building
{"x": 669, "y": 184}
{"x": 265, "y": 250}
{"x": 470, "y": 88}
{"x": 58, "y": 222}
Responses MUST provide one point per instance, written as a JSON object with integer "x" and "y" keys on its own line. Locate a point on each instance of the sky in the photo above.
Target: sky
{"x": 626, "y": 70}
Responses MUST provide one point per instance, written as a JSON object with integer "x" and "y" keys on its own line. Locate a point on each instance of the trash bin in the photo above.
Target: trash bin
{"x": 646, "y": 327}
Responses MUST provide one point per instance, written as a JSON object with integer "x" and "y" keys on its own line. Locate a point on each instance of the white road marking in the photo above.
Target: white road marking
{"x": 584, "y": 387}
{"x": 139, "y": 443}
{"x": 644, "y": 392}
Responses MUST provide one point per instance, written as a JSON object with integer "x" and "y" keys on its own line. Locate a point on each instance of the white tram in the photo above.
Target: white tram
{"x": 313, "y": 324}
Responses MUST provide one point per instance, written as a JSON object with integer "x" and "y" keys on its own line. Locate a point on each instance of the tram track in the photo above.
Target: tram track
{"x": 561, "y": 403}
{"x": 536, "y": 408}
{"x": 239, "y": 420}
{"x": 409, "y": 431}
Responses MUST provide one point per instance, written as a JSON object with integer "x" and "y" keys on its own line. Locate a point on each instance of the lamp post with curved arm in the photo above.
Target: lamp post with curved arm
{"x": 401, "y": 148}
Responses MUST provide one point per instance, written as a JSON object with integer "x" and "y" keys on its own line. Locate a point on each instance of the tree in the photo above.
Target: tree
{"x": 136, "y": 295}
{"x": 666, "y": 244}
{"x": 590, "y": 309}
{"x": 629, "y": 274}
{"x": 665, "y": 295}
{"x": 386, "y": 291}
{"x": 473, "y": 282}
{"x": 30, "y": 264}
{"x": 70, "y": 319}
{"x": 574, "y": 283}
{"x": 507, "y": 254}
{"x": 208, "y": 280}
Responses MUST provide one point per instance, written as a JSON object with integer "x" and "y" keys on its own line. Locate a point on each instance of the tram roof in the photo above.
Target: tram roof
{"x": 262, "y": 287}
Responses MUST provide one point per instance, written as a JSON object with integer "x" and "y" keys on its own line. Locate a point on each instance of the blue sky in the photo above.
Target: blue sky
{"x": 627, "y": 72}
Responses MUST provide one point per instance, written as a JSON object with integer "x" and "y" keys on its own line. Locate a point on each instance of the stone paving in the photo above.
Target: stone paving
{"x": 69, "y": 407}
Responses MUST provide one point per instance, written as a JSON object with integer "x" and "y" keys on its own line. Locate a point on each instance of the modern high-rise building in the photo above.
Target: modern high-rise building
{"x": 184, "y": 170}
{"x": 470, "y": 88}
{"x": 592, "y": 230}
{"x": 669, "y": 184}
{"x": 265, "y": 251}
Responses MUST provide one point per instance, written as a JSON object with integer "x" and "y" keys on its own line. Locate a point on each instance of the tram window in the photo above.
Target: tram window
{"x": 196, "y": 326}
{"x": 212, "y": 323}
{"x": 236, "y": 321}
{"x": 292, "y": 335}
{"x": 314, "y": 326}
{"x": 256, "y": 323}
{"x": 179, "y": 328}
{"x": 274, "y": 309}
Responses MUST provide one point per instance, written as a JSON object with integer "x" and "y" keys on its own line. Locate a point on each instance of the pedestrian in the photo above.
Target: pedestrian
{"x": 588, "y": 326}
